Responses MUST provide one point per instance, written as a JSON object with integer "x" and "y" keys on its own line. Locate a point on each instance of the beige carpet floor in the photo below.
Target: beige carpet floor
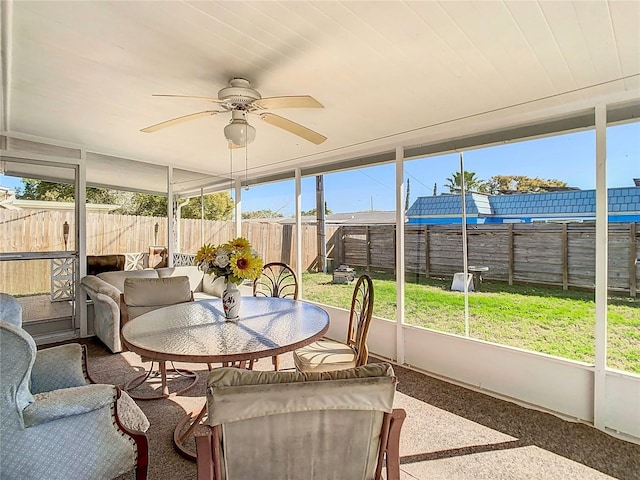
{"x": 450, "y": 432}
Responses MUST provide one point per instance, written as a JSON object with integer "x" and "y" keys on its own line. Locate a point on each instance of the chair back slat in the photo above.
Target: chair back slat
{"x": 360, "y": 318}
{"x": 277, "y": 280}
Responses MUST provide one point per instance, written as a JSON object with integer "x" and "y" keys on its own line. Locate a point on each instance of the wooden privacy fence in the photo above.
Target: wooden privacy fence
{"x": 42, "y": 231}
{"x": 545, "y": 253}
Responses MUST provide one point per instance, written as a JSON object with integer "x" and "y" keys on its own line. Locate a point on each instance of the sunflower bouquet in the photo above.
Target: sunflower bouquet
{"x": 234, "y": 260}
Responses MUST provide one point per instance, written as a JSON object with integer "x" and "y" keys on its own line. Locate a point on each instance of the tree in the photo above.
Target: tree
{"x": 406, "y": 198}
{"x": 217, "y": 206}
{"x": 508, "y": 183}
{"x": 471, "y": 182}
{"x": 314, "y": 211}
{"x": 61, "y": 192}
{"x": 264, "y": 213}
{"x": 148, "y": 205}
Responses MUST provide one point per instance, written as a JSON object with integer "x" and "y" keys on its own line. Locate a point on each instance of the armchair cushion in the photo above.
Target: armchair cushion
{"x": 50, "y": 406}
{"x": 58, "y": 367}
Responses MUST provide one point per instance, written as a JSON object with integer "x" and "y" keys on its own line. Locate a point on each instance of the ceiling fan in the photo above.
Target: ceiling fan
{"x": 240, "y": 99}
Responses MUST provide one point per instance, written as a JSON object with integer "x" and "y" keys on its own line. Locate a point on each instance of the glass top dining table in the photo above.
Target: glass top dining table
{"x": 197, "y": 332}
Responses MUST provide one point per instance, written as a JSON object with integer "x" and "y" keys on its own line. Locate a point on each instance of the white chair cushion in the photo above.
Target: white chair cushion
{"x": 149, "y": 292}
{"x": 117, "y": 278}
{"x": 324, "y": 356}
{"x": 195, "y": 275}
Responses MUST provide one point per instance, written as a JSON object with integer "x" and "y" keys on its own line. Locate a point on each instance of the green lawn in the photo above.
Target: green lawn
{"x": 535, "y": 318}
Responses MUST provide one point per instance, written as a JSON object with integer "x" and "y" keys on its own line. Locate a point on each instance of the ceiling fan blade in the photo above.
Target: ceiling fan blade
{"x": 299, "y": 101}
{"x": 173, "y": 121}
{"x": 293, "y": 127}
{"x": 210, "y": 99}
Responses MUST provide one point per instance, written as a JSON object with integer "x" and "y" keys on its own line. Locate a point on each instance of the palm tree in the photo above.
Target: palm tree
{"x": 471, "y": 182}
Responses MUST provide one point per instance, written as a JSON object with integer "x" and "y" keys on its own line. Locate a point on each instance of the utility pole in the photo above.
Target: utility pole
{"x": 321, "y": 237}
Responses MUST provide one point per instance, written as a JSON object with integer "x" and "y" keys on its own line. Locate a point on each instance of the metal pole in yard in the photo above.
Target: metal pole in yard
{"x": 322, "y": 244}
{"x": 464, "y": 247}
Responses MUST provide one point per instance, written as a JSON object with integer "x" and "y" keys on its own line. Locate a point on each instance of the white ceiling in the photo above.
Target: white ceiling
{"x": 388, "y": 73}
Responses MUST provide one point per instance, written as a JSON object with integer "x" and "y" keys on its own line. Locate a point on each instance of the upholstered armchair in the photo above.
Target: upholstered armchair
{"x": 63, "y": 366}
{"x": 293, "y": 425}
{"x": 54, "y": 424}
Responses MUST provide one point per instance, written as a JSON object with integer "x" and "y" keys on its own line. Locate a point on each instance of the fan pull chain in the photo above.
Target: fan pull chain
{"x": 230, "y": 170}
{"x": 246, "y": 157}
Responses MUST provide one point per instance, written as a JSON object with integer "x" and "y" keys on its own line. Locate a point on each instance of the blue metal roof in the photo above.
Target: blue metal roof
{"x": 571, "y": 203}
{"x": 476, "y": 204}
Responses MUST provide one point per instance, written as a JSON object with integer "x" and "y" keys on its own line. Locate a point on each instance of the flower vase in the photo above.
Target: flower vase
{"x": 231, "y": 298}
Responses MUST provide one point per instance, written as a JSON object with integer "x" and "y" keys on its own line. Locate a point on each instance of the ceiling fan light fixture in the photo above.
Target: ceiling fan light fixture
{"x": 240, "y": 133}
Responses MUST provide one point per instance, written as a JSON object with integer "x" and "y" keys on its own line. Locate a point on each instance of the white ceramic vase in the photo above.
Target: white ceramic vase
{"x": 231, "y": 299}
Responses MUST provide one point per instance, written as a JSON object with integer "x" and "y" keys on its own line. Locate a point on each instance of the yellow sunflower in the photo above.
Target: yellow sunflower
{"x": 206, "y": 253}
{"x": 239, "y": 243}
{"x": 245, "y": 265}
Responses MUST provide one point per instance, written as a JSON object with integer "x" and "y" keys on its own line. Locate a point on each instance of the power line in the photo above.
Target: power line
{"x": 375, "y": 180}
{"x": 415, "y": 178}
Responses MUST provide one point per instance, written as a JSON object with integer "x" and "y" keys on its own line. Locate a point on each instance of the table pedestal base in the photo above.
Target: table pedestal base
{"x": 141, "y": 379}
{"x": 186, "y": 429}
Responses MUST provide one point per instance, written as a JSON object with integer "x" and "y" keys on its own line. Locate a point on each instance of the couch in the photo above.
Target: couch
{"x": 105, "y": 288}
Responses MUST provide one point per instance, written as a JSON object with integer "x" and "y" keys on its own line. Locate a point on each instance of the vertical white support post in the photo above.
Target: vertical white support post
{"x": 238, "y": 208}
{"x": 171, "y": 205}
{"x": 201, "y": 216}
{"x": 465, "y": 267}
{"x": 400, "y": 277}
{"x": 299, "y": 232}
{"x": 602, "y": 256}
{"x": 81, "y": 243}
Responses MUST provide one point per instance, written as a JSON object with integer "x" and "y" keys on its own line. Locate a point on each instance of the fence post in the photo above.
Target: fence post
{"x": 395, "y": 242}
{"x": 427, "y": 264}
{"x": 510, "y": 247}
{"x": 368, "y": 240}
{"x": 633, "y": 258}
{"x": 565, "y": 258}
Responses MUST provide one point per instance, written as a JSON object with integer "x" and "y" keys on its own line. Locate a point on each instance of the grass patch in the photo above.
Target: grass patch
{"x": 541, "y": 319}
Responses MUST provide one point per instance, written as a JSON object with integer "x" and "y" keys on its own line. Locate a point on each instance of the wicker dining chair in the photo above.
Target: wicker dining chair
{"x": 327, "y": 355}
{"x": 277, "y": 280}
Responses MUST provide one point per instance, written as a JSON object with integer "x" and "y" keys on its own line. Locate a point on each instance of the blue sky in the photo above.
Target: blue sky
{"x": 568, "y": 157}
